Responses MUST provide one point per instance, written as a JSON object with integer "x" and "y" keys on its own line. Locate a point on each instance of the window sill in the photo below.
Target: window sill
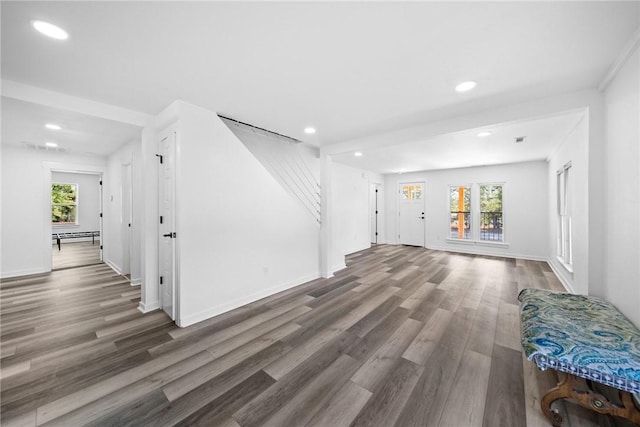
{"x": 477, "y": 243}
{"x": 65, "y": 225}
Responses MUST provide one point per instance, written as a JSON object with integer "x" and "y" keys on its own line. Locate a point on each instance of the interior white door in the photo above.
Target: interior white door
{"x": 374, "y": 213}
{"x": 411, "y": 213}
{"x": 166, "y": 208}
{"x": 100, "y": 216}
{"x": 125, "y": 219}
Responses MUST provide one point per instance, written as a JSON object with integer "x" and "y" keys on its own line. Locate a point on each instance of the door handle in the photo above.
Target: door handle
{"x": 171, "y": 235}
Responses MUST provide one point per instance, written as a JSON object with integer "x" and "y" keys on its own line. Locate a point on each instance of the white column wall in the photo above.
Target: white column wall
{"x": 351, "y": 210}
{"x": 573, "y": 149}
{"x": 622, "y": 200}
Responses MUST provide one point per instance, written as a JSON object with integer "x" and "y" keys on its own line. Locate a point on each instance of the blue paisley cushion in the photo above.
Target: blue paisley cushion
{"x": 582, "y": 335}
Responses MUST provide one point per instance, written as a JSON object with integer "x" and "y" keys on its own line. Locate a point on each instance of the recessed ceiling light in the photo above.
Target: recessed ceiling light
{"x": 484, "y": 133}
{"x": 357, "y": 154}
{"x": 309, "y": 130}
{"x": 465, "y": 86}
{"x": 50, "y": 30}
{"x": 50, "y": 144}
{"x": 52, "y": 126}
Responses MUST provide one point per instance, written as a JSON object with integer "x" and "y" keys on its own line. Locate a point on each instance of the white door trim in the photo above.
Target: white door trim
{"x": 48, "y": 168}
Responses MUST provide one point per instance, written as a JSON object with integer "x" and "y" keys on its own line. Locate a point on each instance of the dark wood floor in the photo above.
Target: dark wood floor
{"x": 403, "y": 337}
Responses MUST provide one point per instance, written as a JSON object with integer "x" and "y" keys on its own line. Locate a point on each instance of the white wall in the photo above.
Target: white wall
{"x": 88, "y": 210}
{"x": 240, "y": 235}
{"x": 351, "y": 217}
{"x": 524, "y": 206}
{"x": 116, "y": 219}
{"x": 622, "y": 203}
{"x": 26, "y": 201}
{"x": 573, "y": 149}
{"x": 295, "y": 166}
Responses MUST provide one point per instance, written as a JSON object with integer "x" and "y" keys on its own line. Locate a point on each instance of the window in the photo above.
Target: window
{"x": 564, "y": 239}
{"x": 412, "y": 192}
{"x": 64, "y": 204}
{"x": 491, "y": 218}
{"x": 460, "y": 207}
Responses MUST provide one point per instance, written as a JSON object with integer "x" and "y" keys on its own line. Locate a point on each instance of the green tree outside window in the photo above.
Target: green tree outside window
{"x": 64, "y": 204}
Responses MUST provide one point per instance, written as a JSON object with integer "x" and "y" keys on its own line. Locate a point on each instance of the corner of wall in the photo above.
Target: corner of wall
{"x": 567, "y": 285}
{"x": 149, "y": 306}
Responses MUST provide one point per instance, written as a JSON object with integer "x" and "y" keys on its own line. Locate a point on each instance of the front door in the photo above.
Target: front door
{"x": 166, "y": 207}
{"x": 411, "y": 213}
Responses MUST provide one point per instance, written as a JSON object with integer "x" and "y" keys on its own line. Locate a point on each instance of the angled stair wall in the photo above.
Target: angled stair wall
{"x": 294, "y": 165}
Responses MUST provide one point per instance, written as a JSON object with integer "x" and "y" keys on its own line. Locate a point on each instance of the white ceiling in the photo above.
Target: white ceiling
{"x": 23, "y": 123}
{"x": 465, "y": 149}
{"x": 350, "y": 69}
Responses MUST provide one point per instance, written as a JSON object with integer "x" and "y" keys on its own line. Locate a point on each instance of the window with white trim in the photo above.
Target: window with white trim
{"x": 64, "y": 204}
{"x": 476, "y": 213}
{"x": 491, "y": 216}
{"x": 564, "y": 210}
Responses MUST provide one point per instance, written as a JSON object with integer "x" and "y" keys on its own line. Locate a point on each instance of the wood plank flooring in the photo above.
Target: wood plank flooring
{"x": 402, "y": 337}
{"x": 75, "y": 254}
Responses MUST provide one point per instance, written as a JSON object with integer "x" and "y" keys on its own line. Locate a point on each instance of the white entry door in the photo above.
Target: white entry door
{"x": 166, "y": 208}
{"x": 411, "y": 213}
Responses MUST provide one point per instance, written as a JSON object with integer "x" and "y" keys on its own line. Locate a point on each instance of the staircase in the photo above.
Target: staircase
{"x": 294, "y": 165}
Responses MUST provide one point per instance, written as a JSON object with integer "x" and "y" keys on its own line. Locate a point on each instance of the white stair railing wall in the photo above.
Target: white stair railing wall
{"x": 294, "y": 165}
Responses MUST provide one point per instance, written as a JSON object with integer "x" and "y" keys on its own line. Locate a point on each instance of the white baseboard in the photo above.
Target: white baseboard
{"x": 339, "y": 267}
{"x": 479, "y": 250}
{"x": 25, "y": 272}
{"x": 185, "y": 321}
{"x": 567, "y": 286}
{"x": 113, "y": 266}
{"x": 136, "y": 282}
{"x": 146, "y": 308}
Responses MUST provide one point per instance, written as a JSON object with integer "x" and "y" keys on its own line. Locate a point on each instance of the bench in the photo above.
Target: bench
{"x": 75, "y": 235}
{"x": 584, "y": 337}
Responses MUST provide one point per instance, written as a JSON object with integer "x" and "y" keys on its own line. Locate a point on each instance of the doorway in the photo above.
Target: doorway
{"x": 75, "y": 218}
{"x": 411, "y": 216}
{"x": 166, "y": 209}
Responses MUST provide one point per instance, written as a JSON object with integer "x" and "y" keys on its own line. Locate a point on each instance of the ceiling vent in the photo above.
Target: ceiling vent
{"x": 38, "y": 147}
{"x": 519, "y": 139}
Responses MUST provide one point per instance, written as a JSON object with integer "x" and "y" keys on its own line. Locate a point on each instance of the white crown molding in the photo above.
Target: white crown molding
{"x": 23, "y": 92}
{"x": 625, "y": 54}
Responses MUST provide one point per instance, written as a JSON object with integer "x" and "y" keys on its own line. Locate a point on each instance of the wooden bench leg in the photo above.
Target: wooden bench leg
{"x": 572, "y": 388}
{"x": 560, "y": 391}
